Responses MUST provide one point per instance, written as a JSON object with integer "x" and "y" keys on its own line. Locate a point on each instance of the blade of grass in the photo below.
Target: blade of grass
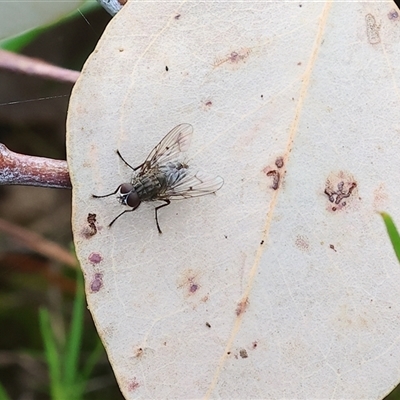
{"x": 92, "y": 360}
{"x": 52, "y": 356}
{"x": 74, "y": 338}
{"x": 3, "y": 393}
{"x": 393, "y": 233}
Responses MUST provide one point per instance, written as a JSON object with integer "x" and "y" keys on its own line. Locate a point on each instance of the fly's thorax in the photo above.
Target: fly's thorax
{"x": 128, "y": 196}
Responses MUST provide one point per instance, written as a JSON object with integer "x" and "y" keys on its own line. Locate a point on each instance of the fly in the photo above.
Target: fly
{"x": 165, "y": 176}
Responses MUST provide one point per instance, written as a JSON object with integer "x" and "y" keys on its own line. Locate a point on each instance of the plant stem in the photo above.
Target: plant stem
{"x": 20, "y": 169}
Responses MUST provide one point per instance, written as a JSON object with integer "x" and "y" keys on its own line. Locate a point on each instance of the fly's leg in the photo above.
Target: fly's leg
{"x": 167, "y": 203}
{"x": 130, "y": 166}
{"x": 119, "y": 215}
{"x": 106, "y": 195}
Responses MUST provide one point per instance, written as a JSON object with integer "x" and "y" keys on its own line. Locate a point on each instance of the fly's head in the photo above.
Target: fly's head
{"x": 128, "y": 196}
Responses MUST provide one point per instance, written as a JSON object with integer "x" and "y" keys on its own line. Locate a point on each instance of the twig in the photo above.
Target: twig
{"x": 32, "y": 66}
{"x": 20, "y": 169}
{"x": 39, "y": 244}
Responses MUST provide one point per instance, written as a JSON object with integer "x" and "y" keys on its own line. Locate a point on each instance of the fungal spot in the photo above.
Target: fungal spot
{"x": 95, "y": 258}
{"x": 133, "y": 385}
{"x": 255, "y": 344}
{"x": 241, "y": 307}
{"x": 332, "y": 247}
{"x": 302, "y": 243}
{"x": 226, "y": 237}
{"x": 193, "y": 288}
{"x": 262, "y": 96}
{"x": 91, "y": 229}
{"x": 299, "y": 63}
{"x": 393, "y": 14}
{"x": 208, "y": 325}
{"x": 276, "y": 177}
{"x": 372, "y": 29}
{"x": 206, "y": 105}
{"x": 190, "y": 282}
{"x": 243, "y": 353}
{"x": 177, "y": 16}
{"x": 97, "y": 283}
{"x": 262, "y": 242}
{"x": 138, "y": 352}
{"x": 228, "y": 353}
{"x": 121, "y": 49}
{"x": 166, "y": 68}
{"x": 234, "y": 58}
{"x": 339, "y": 187}
{"x": 279, "y": 162}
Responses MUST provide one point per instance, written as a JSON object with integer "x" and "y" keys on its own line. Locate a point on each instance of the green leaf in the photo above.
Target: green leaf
{"x": 393, "y": 233}
{"x": 74, "y": 338}
{"x": 52, "y": 355}
{"x": 3, "y": 393}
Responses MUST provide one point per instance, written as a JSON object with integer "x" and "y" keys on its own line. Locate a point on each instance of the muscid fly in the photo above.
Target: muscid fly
{"x": 165, "y": 176}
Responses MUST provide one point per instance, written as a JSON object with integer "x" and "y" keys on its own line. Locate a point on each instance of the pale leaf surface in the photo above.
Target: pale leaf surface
{"x": 283, "y": 284}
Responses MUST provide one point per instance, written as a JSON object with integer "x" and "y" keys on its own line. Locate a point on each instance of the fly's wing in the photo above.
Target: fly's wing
{"x": 193, "y": 185}
{"x": 170, "y": 148}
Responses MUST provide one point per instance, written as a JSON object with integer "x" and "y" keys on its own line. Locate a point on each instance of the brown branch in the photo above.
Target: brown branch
{"x": 35, "y": 67}
{"x": 20, "y": 169}
{"x": 39, "y": 244}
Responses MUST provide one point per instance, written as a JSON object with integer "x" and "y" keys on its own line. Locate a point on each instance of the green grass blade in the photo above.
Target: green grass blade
{"x": 393, "y": 233}
{"x": 3, "y": 393}
{"x": 74, "y": 339}
{"x": 92, "y": 360}
{"x": 52, "y": 356}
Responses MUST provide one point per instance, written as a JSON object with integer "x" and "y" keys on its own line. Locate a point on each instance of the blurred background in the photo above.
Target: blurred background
{"x": 32, "y": 121}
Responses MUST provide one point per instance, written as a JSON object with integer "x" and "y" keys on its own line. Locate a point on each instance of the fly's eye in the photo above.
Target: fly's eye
{"x": 125, "y": 188}
{"x": 133, "y": 199}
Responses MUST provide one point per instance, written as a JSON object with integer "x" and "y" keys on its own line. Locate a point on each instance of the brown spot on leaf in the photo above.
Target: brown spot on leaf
{"x": 236, "y": 58}
{"x": 133, "y": 385}
{"x": 279, "y": 162}
{"x": 393, "y": 14}
{"x": 340, "y": 188}
{"x": 95, "y": 258}
{"x": 206, "y": 105}
{"x": 243, "y": 353}
{"x": 241, "y": 307}
{"x": 190, "y": 282}
{"x": 97, "y": 282}
{"x": 276, "y": 177}
{"x": 138, "y": 352}
{"x": 91, "y": 229}
{"x": 302, "y": 243}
